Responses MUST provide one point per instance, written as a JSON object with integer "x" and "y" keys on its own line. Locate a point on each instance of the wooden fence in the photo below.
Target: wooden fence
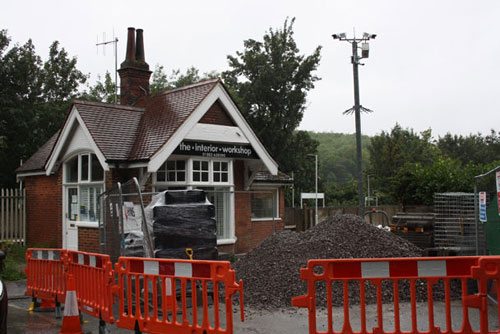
{"x": 13, "y": 215}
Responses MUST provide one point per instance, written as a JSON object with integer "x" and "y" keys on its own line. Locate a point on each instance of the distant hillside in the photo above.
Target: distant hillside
{"x": 337, "y": 164}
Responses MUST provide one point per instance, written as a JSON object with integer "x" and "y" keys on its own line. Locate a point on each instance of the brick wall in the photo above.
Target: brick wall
{"x": 242, "y": 214}
{"x": 217, "y": 115}
{"x": 44, "y": 210}
{"x": 88, "y": 239}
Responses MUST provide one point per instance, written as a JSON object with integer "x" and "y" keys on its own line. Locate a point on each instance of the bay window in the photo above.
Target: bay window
{"x": 84, "y": 181}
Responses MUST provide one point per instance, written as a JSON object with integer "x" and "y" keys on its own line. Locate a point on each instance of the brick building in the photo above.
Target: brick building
{"x": 185, "y": 138}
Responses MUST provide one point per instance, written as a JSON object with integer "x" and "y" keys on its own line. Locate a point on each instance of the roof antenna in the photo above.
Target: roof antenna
{"x": 114, "y": 41}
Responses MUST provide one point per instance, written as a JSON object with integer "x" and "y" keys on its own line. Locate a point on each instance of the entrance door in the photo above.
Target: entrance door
{"x": 71, "y": 217}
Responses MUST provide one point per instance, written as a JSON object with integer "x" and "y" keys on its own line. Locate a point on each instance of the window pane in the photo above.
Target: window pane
{"x": 216, "y": 177}
{"x": 160, "y": 176}
{"x": 262, "y": 205}
{"x": 196, "y": 176}
{"x": 181, "y": 165}
{"x": 204, "y": 177}
{"x": 216, "y": 165}
{"x": 181, "y": 176}
{"x": 170, "y": 165}
{"x": 171, "y": 176}
{"x": 85, "y": 167}
{"x": 196, "y": 164}
{"x": 224, "y": 177}
{"x": 72, "y": 170}
{"x": 97, "y": 171}
{"x": 73, "y": 204}
{"x": 204, "y": 165}
{"x": 224, "y": 166}
{"x": 162, "y": 167}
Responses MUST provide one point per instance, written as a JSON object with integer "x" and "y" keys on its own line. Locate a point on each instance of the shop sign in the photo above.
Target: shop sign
{"x": 216, "y": 150}
{"x": 482, "y": 206}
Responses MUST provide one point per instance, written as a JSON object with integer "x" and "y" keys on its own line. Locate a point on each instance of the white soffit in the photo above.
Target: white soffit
{"x": 217, "y": 133}
{"x": 77, "y": 140}
{"x": 218, "y": 93}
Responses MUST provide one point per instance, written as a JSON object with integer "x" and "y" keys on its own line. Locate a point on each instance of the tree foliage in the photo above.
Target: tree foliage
{"x": 161, "y": 81}
{"x": 269, "y": 80}
{"x": 102, "y": 91}
{"x": 34, "y": 98}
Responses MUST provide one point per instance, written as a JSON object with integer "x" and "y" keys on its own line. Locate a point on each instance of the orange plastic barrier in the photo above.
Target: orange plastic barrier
{"x": 45, "y": 274}
{"x": 450, "y": 274}
{"x": 94, "y": 278}
{"x": 164, "y": 295}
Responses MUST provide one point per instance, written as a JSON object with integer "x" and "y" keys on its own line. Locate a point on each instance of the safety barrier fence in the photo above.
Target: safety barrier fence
{"x": 95, "y": 278}
{"x": 154, "y": 295}
{"x": 45, "y": 274}
{"x": 158, "y": 295}
{"x": 388, "y": 280}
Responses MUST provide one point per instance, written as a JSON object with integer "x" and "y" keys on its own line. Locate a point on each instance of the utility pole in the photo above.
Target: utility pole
{"x": 355, "y": 60}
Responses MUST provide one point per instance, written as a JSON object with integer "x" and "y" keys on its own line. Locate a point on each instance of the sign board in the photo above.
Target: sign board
{"x": 482, "y": 206}
{"x": 216, "y": 150}
{"x": 498, "y": 191}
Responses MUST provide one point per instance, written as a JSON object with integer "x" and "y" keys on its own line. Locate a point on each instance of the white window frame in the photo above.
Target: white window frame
{"x": 276, "y": 193}
{"x": 80, "y": 182}
{"x": 172, "y": 183}
{"x": 189, "y": 184}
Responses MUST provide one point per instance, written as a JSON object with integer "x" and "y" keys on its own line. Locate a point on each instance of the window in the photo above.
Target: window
{"x": 220, "y": 171}
{"x": 200, "y": 171}
{"x": 264, "y": 204}
{"x": 220, "y": 197}
{"x": 172, "y": 171}
{"x": 84, "y": 178}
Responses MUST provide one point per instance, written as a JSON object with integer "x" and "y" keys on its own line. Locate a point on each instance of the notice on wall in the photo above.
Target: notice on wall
{"x": 482, "y": 207}
{"x": 132, "y": 217}
{"x": 216, "y": 150}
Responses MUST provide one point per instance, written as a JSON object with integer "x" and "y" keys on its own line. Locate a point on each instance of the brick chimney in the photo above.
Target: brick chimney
{"x": 134, "y": 71}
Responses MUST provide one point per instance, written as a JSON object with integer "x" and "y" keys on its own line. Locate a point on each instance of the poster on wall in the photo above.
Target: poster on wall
{"x": 482, "y": 207}
{"x": 131, "y": 217}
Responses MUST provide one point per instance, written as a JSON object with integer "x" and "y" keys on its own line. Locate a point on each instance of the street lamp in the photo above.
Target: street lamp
{"x": 355, "y": 60}
{"x": 315, "y": 156}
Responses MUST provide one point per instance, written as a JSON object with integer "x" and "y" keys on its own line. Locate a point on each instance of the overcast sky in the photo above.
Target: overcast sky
{"x": 434, "y": 64}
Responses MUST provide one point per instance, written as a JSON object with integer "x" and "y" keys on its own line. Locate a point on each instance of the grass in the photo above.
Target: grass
{"x": 14, "y": 263}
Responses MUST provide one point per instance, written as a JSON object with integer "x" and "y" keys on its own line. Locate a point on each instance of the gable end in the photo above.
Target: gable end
{"x": 217, "y": 115}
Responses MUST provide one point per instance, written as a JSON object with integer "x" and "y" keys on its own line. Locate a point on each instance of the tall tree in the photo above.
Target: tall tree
{"x": 102, "y": 91}
{"x": 270, "y": 80}
{"x": 34, "y": 97}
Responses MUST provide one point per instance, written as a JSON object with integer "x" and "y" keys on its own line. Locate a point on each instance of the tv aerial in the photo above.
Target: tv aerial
{"x": 104, "y": 43}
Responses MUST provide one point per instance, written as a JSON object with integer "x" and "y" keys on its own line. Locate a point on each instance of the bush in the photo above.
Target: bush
{"x": 14, "y": 263}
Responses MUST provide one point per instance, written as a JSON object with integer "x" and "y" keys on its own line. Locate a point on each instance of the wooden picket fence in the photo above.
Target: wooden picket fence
{"x": 13, "y": 216}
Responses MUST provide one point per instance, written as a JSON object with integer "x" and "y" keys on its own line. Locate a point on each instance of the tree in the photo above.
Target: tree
{"x": 34, "y": 99}
{"x": 102, "y": 91}
{"x": 269, "y": 80}
{"x": 161, "y": 81}
{"x": 473, "y": 148}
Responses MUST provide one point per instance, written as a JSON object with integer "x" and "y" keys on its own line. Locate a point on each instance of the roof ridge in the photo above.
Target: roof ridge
{"x": 107, "y": 105}
{"x": 193, "y": 85}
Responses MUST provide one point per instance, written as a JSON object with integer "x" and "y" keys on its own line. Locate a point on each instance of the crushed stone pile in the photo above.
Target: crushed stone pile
{"x": 271, "y": 271}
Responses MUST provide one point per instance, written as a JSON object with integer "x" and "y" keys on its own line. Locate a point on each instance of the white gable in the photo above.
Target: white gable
{"x": 190, "y": 128}
{"x": 74, "y": 137}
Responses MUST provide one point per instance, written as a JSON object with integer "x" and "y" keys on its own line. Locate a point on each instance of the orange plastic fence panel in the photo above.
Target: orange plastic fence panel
{"x": 167, "y": 295}
{"x": 45, "y": 274}
{"x": 416, "y": 271}
{"x": 94, "y": 278}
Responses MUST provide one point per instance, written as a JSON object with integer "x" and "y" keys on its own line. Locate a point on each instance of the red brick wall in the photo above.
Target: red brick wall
{"x": 44, "y": 210}
{"x": 88, "y": 239}
{"x": 217, "y": 115}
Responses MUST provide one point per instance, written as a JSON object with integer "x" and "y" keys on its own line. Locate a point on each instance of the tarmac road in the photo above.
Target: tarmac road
{"x": 279, "y": 322}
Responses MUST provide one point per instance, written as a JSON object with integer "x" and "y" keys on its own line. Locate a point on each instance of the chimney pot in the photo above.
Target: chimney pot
{"x": 139, "y": 53}
{"x": 130, "y": 56}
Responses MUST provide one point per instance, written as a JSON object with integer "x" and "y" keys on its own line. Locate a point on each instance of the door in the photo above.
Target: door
{"x": 71, "y": 217}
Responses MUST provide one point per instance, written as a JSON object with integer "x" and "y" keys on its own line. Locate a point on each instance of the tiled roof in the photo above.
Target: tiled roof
{"x": 112, "y": 126}
{"x": 37, "y": 161}
{"x": 126, "y": 133}
{"x": 266, "y": 177}
{"x": 165, "y": 112}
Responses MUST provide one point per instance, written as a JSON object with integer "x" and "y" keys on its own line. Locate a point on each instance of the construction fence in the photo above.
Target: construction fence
{"x": 190, "y": 296}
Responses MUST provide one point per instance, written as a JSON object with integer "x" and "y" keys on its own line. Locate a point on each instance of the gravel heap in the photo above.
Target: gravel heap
{"x": 271, "y": 271}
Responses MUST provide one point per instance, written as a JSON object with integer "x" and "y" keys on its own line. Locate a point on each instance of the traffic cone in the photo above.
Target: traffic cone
{"x": 71, "y": 320}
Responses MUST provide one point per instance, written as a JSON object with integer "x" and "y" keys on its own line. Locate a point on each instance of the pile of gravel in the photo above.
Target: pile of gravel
{"x": 271, "y": 271}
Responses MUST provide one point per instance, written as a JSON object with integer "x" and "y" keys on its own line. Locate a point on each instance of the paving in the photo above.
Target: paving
{"x": 286, "y": 320}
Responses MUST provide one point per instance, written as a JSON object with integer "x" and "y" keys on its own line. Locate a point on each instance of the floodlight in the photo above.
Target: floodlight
{"x": 335, "y": 36}
{"x": 365, "y": 50}
{"x": 373, "y": 36}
